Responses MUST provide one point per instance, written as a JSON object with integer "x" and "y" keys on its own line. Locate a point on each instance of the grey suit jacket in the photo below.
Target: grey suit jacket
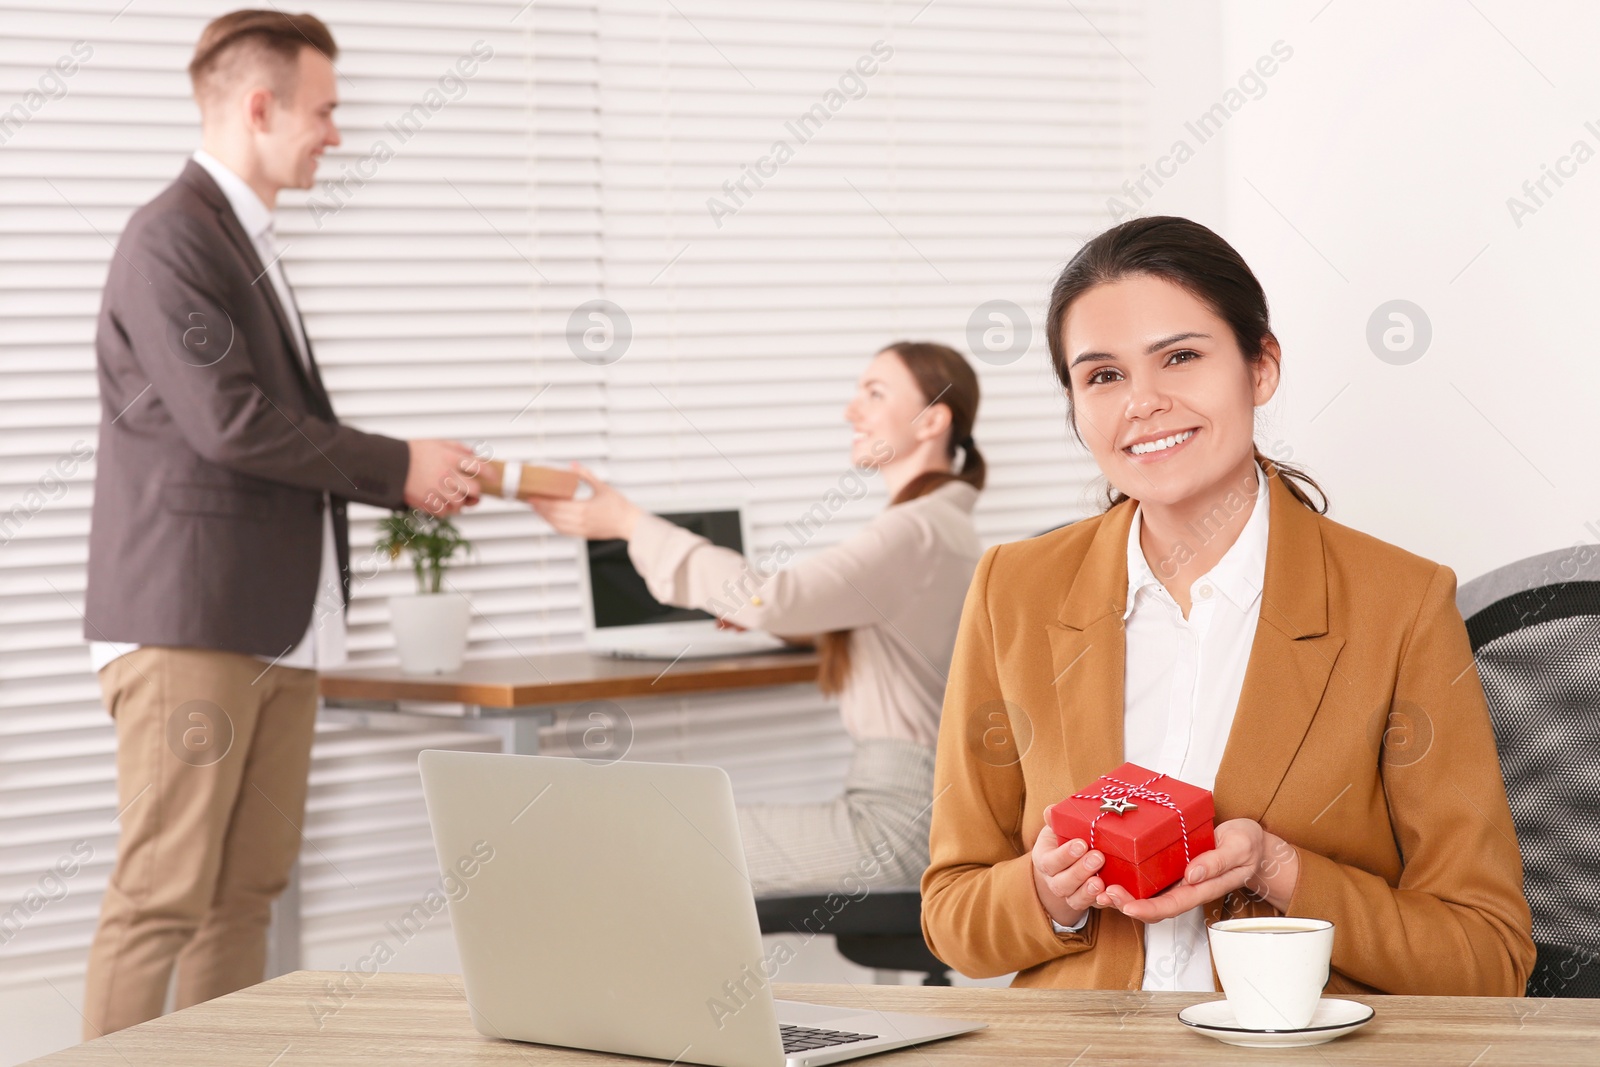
{"x": 216, "y": 444}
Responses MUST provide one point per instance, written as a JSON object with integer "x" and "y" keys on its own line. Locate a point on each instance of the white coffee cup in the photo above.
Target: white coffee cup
{"x": 1272, "y": 969}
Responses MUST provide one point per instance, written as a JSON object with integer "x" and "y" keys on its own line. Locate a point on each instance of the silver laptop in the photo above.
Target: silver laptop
{"x": 606, "y": 907}
{"x": 625, "y": 620}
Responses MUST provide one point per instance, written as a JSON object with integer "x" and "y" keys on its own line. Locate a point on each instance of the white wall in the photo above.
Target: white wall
{"x": 1378, "y": 166}
{"x": 1183, "y": 69}
{"x": 1374, "y": 164}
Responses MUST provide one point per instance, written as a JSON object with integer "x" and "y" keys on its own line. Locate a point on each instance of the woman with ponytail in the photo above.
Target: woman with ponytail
{"x": 881, "y": 606}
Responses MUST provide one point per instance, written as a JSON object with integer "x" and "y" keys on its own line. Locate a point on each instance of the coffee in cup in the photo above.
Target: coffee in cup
{"x": 1272, "y": 969}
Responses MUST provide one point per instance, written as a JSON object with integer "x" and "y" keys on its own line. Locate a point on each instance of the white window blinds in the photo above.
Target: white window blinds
{"x": 788, "y": 186}
{"x": 610, "y": 150}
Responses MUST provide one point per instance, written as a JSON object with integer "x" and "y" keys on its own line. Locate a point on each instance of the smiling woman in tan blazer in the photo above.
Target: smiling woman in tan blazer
{"x": 1358, "y": 782}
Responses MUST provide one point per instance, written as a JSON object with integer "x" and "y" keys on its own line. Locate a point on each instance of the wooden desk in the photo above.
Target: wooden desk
{"x": 516, "y": 696}
{"x": 398, "y": 1019}
{"x": 568, "y": 678}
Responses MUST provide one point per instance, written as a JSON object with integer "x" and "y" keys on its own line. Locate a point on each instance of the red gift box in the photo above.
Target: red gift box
{"x": 1147, "y": 825}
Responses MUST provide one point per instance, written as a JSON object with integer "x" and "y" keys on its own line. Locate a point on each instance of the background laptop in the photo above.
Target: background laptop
{"x": 608, "y": 908}
{"x": 625, "y": 620}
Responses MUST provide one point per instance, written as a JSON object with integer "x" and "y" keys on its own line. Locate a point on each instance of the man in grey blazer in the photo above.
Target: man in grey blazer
{"x": 218, "y": 550}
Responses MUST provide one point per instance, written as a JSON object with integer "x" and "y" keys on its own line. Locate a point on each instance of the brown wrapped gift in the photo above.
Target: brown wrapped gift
{"x": 525, "y": 481}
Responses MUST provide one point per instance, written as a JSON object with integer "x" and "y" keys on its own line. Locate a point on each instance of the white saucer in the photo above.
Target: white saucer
{"x": 1333, "y": 1018}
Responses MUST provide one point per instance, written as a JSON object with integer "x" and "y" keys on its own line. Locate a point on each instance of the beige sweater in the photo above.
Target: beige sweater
{"x": 898, "y": 584}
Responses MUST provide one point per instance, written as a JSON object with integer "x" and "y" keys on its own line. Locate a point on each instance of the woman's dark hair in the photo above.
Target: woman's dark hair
{"x": 945, "y": 377}
{"x": 1195, "y": 259}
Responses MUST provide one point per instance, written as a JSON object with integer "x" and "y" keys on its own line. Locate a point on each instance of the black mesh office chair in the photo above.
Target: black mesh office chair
{"x": 882, "y": 930}
{"x": 1535, "y": 630}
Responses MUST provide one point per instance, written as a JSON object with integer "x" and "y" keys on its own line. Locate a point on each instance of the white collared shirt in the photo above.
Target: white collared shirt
{"x": 257, "y": 220}
{"x": 323, "y": 644}
{"x": 1181, "y": 685}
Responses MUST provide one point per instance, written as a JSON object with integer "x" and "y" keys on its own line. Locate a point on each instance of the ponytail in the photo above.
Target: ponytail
{"x": 974, "y": 471}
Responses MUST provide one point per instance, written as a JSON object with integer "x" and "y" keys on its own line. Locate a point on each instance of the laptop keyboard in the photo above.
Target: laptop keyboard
{"x": 807, "y": 1038}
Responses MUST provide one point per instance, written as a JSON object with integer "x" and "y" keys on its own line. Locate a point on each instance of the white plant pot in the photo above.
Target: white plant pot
{"x": 430, "y": 631}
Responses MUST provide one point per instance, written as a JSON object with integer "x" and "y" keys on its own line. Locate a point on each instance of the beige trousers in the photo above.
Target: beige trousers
{"x": 877, "y": 831}
{"x": 213, "y": 749}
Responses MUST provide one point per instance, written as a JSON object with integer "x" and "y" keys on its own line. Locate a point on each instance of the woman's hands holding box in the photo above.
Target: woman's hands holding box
{"x": 1246, "y": 857}
{"x": 1064, "y": 875}
{"x": 1158, "y": 853}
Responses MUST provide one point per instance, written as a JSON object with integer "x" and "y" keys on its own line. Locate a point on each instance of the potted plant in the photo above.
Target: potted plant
{"x": 430, "y": 626}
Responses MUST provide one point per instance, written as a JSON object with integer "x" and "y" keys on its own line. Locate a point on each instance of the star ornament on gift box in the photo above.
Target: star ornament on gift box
{"x": 1147, "y": 826}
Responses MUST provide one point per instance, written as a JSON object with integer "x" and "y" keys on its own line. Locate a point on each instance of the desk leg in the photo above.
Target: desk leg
{"x": 517, "y": 728}
{"x": 283, "y": 936}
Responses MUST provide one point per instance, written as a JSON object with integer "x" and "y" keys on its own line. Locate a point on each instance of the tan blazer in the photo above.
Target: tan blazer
{"x": 1361, "y": 737}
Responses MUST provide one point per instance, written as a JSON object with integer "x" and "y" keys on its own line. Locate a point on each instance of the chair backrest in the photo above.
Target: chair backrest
{"x": 1535, "y": 631}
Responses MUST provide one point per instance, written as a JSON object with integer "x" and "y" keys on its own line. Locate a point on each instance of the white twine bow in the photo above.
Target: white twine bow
{"x": 1120, "y": 790}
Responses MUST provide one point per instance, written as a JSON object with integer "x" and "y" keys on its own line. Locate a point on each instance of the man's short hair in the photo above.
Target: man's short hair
{"x": 236, "y": 42}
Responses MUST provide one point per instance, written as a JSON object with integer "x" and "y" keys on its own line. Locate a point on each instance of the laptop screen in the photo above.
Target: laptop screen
{"x": 620, "y": 595}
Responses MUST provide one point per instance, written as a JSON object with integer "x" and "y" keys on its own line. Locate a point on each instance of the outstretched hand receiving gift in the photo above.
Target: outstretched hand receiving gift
{"x": 604, "y": 515}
